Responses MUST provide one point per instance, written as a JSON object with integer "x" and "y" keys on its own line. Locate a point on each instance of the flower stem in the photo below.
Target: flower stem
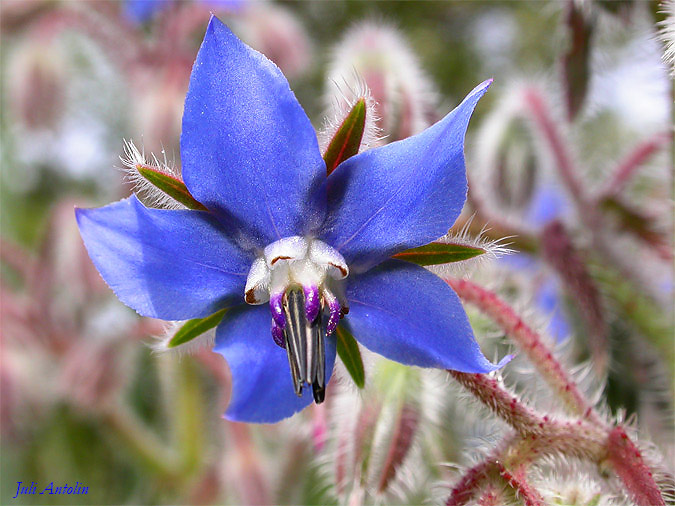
{"x": 530, "y": 343}
{"x": 627, "y": 167}
{"x": 536, "y": 436}
{"x": 250, "y": 478}
{"x": 153, "y": 452}
{"x": 505, "y": 405}
{"x": 627, "y": 462}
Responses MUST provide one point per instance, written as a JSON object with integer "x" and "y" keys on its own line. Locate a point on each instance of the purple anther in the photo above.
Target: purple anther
{"x": 312, "y": 302}
{"x": 278, "y": 335}
{"x": 335, "y": 311}
{"x": 277, "y": 308}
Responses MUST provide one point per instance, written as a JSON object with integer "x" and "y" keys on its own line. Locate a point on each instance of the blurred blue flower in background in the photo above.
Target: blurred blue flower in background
{"x": 548, "y": 203}
{"x": 278, "y": 230}
{"x": 142, "y": 11}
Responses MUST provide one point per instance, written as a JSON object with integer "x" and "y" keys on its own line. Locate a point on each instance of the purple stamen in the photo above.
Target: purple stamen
{"x": 335, "y": 312}
{"x": 277, "y": 308}
{"x": 278, "y": 334}
{"x": 312, "y": 302}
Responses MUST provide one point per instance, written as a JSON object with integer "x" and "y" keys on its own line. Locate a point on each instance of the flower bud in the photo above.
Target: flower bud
{"x": 380, "y": 56}
{"x": 377, "y": 440}
{"x": 37, "y": 86}
{"x": 159, "y": 110}
{"x": 275, "y": 32}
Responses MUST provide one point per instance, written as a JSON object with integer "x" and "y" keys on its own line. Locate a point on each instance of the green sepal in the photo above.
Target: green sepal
{"x": 195, "y": 328}
{"x": 437, "y": 253}
{"x": 172, "y": 186}
{"x": 349, "y": 353}
{"x": 347, "y": 139}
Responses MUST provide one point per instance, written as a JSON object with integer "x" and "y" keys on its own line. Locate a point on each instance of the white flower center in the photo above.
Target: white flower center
{"x": 293, "y": 261}
{"x": 299, "y": 278}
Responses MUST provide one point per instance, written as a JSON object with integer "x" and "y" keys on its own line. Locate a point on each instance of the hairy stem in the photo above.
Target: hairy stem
{"x": 628, "y": 166}
{"x": 530, "y": 343}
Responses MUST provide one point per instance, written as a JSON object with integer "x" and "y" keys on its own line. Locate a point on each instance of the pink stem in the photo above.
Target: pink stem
{"x": 518, "y": 482}
{"x": 505, "y": 405}
{"x": 251, "y": 482}
{"x": 586, "y": 209}
{"x": 627, "y": 168}
{"x": 563, "y": 159}
{"x": 626, "y": 460}
{"x": 530, "y": 343}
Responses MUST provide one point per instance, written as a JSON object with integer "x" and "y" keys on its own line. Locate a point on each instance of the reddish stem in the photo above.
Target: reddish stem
{"x": 626, "y": 460}
{"x": 251, "y": 483}
{"x": 563, "y": 159}
{"x": 505, "y": 405}
{"x": 629, "y": 165}
{"x": 530, "y": 343}
{"x": 518, "y": 482}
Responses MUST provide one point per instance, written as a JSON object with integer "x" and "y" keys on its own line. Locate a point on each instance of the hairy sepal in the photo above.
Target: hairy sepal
{"x": 194, "y": 328}
{"x": 346, "y": 140}
{"x": 348, "y": 350}
{"x": 437, "y": 253}
{"x": 172, "y": 186}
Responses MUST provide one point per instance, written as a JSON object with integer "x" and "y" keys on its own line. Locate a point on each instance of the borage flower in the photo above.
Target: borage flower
{"x": 276, "y": 229}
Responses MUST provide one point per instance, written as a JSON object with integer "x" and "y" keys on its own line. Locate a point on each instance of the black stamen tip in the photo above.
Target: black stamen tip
{"x": 305, "y": 346}
{"x": 319, "y": 392}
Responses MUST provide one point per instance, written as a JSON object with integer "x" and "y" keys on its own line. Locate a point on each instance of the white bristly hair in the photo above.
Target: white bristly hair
{"x": 134, "y": 158}
{"x": 342, "y": 101}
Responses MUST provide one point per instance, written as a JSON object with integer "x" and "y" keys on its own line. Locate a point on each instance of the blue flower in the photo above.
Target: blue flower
{"x": 548, "y": 203}
{"x": 279, "y": 230}
{"x": 142, "y": 11}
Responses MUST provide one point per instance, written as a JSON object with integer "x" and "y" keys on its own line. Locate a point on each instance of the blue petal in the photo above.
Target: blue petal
{"x": 549, "y": 301}
{"x": 402, "y": 195}
{"x": 548, "y": 203}
{"x": 262, "y": 388}
{"x": 410, "y": 315}
{"x": 140, "y": 11}
{"x": 248, "y": 150}
{"x": 519, "y": 262}
{"x": 173, "y": 265}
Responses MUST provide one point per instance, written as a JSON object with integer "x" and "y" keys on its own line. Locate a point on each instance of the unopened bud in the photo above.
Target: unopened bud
{"x": 380, "y": 56}
{"x": 275, "y": 32}
{"x": 159, "y": 111}
{"x": 510, "y": 174}
{"x": 36, "y": 89}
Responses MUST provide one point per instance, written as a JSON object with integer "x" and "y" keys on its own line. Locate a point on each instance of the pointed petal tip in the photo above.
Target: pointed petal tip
{"x": 483, "y": 366}
{"x": 479, "y": 90}
{"x": 504, "y": 361}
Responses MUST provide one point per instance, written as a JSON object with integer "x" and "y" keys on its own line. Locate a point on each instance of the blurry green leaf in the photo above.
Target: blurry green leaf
{"x": 173, "y": 187}
{"x": 640, "y": 225}
{"x": 349, "y": 352}
{"x": 194, "y": 328}
{"x": 437, "y": 253}
{"x": 347, "y": 139}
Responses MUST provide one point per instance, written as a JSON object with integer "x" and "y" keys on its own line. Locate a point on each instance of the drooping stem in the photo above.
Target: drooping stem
{"x": 530, "y": 343}
{"x": 627, "y": 461}
{"x": 250, "y": 482}
{"x": 586, "y": 208}
{"x": 504, "y": 404}
{"x": 536, "y": 436}
{"x": 628, "y": 166}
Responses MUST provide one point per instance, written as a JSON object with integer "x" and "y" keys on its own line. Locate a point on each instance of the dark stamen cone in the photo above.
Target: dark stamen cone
{"x": 318, "y": 377}
{"x": 305, "y": 346}
{"x": 296, "y": 345}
